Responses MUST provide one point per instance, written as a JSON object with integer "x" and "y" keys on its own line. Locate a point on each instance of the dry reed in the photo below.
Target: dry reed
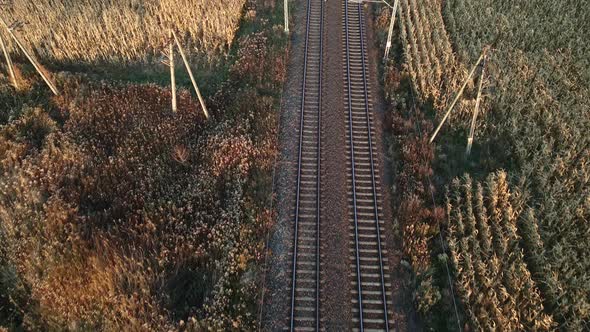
{"x": 123, "y": 31}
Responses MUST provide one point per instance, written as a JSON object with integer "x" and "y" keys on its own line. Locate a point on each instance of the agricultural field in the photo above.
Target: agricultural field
{"x": 508, "y": 224}
{"x": 117, "y": 213}
{"x": 122, "y": 31}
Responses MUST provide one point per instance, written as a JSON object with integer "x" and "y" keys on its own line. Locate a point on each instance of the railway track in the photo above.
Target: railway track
{"x": 368, "y": 264}
{"x": 369, "y": 278}
{"x": 305, "y": 288}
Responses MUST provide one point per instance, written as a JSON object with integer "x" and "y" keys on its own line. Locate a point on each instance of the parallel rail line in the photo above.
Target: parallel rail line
{"x": 305, "y": 288}
{"x": 368, "y": 276}
{"x": 368, "y": 262}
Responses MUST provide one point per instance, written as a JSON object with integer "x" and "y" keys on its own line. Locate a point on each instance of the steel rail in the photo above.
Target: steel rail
{"x": 299, "y": 170}
{"x": 321, "y": 69}
{"x": 356, "y": 55}
{"x": 372, "y": 163}
{"x": 354, "y": 198}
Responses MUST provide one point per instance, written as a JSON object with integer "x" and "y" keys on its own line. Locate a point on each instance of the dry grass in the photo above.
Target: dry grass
{"x": 123, "y": 30}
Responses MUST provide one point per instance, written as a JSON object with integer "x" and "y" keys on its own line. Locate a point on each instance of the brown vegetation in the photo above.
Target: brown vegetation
{"x": 118, "y": 214}
{"x": 493, "y": 279}
{"x": 123, "y": 31}
{"x": 417, "y": 217}
{"x": 435, "y": 71}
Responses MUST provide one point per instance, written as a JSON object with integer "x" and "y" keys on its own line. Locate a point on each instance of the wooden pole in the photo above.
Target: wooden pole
{"x": 390, "y": 33}
{"x": 172, "y": 73}
{"x": 286, "y": 11}
{"x": 33, "y": 62}
{"x": 476, "y": 110}
{"x": 8, "y": 63}
{"x": 457, "y": 97}
{"x": 190, "y": 73}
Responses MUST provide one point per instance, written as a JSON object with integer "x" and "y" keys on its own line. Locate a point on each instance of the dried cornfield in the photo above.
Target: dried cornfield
{"x": 429, "y": 59}
{"x": 123, "y": 31}
{"x": 493, "y": 279}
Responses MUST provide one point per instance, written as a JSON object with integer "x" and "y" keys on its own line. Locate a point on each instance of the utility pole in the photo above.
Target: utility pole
{"x": 459, "y": 94}
{"x": 172, "y": 77}
{"x": 391, "y": 22}
{"x": 286, "y": 10}
{"x": 476, "y": 109}
{"x": 190, "y": 74}
{"x": 31, "y": 59}
{"x": 390, "y": 33}
{"x": 8, "y": 63}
